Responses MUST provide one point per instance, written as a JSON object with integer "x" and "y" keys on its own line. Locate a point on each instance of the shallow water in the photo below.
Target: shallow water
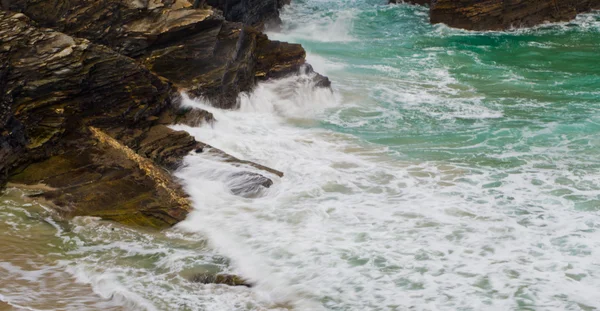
{"x": 448, "y": 170}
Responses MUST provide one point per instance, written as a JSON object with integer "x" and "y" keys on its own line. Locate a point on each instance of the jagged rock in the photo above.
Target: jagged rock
{"x": 187, "y": 116}
{"x": 85, "y": 122}
{"x": 196, "y": 49}
{"x": 504, "y": 14}
{"x": 58, "y": 87}
{"x": 258, "y": 13}
{"x": 50, "y": 77}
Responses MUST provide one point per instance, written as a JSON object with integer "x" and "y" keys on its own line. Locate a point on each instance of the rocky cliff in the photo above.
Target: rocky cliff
{"x": 85, "y": 104}
{"x": 58, "y": 90}
{"x": 198, "y": 50}
{"x": 504, "y": 14}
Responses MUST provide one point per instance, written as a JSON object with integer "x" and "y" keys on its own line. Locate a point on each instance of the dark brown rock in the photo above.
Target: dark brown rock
{"x": 53, "y": 84}
{"x": 12, "y": 133}
{"x": 98, "y": 176}
{"x": 196, "y": 49}
{"x": 225, "y": 279}
{"x": 58, "y": 89}
{"x": 504, "y": 14}
{"x": 86, "y": 124}
{"x": 257, "y": 13}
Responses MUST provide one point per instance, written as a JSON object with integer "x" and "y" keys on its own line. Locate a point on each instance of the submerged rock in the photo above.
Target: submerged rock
{"x": 225, "y": 279}
{"x": 248, "y": 184}
{"x": 504, "y": 14}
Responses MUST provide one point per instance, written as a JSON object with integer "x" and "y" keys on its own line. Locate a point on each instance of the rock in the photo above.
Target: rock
{"x": 98, "y": 176}
{"x": 187, "y": 116}
{"x": 225, "y": 279}
{"x": 278, "y": 59}
{"x": 61, "y": 77}
{"x": 89, "y": 124}
{"x": 12, "y": 134}
{"x": 257, "y": 13}
{"x": 62, "y": 95}
{"x": 196, "y": 49}
{"x": 504, "y": 14}
{"x": 248, "y": 184}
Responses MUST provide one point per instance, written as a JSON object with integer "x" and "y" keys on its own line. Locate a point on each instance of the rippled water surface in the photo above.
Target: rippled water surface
{"x": 448, "y": 170}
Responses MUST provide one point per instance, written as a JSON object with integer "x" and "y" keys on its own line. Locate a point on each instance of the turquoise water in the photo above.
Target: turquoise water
{"x": 447, "y": 170}
{"x": 506, "y": 102}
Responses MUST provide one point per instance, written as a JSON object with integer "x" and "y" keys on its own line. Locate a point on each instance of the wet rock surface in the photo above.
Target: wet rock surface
{"x": 198, "y": 50}
{"x": 258, "y": 13}
{"x": 225, "y": 279}
{"x": 87, "y": 126}
{"x": 97, "y": 176}
{"x": 504, "y": 14}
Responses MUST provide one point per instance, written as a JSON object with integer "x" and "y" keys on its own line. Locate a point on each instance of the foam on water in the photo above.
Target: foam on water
{"x": 321, "y": 26}
{"x": 349, "y": 227}
{"x": 419, "y": 183}
{"x": 88, "y": 264}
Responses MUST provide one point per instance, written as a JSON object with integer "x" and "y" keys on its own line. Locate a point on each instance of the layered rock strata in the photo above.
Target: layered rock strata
{"x": 89, "y": 89}
{"x": 198, "y": 50}
{"x": 87, "y": 126}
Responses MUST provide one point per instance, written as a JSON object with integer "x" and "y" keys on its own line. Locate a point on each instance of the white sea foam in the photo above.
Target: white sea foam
{"x": 349, "y": 227}
{"x": 319, "y": 27}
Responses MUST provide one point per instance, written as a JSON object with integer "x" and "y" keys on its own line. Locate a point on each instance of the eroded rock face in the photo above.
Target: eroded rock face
{"x": 88, "y": 127}
{"x": 196, "y": 49}
{"x": 504, "y": 14}
{"x": 49, "y": 78}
